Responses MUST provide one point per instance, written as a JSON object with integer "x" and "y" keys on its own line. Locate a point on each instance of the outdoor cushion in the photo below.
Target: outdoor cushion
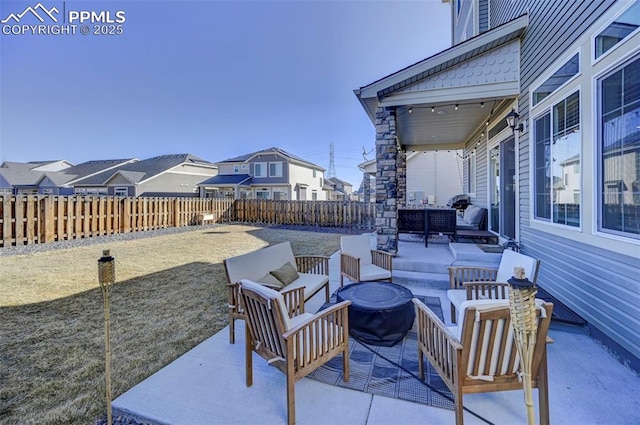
{"x": 358, "y": 246}
{"x": 311, "y": 283}
{"x": 473, "y": 215}
{"x": 270, "y": 281}
{"x": 285, "y": 274}
{"x": 372, "y": 272}
{"x": 511, "y": 259}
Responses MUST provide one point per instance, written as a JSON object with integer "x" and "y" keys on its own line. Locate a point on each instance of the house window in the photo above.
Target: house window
{"x": 314, "y": 195}
{"x": 619, "y": 150}
{"x": 314, "y": 173}
{"x": 561, "y": 76}
{"x": 47, "y": 191}
{"x": 471, "y": 173}
{"x": 262, "y": 193}
{"x": 260, "y": 169}
{"x": 280, "y": 194}
{"x": 236, "y": 169}
{"x": 618, "y": 30}
{"x": 275, "y": 169}
{"x": 558, "y": 141}
{"x": 121, "y": 191}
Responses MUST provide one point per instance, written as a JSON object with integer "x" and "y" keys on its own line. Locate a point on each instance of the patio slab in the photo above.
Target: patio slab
{"x": 207, "y": 386}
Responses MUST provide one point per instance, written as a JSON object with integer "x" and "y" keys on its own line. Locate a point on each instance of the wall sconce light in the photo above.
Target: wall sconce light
{"x": 512, "y": 121}
{"x": 433, "y": 109}
{"x": 410, "y": 110}
{"x": 456, "y": 106}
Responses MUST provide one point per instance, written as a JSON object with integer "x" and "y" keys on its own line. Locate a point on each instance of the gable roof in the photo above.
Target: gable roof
{"x": 271, "y": 150}
{"x": 139, "y": 171}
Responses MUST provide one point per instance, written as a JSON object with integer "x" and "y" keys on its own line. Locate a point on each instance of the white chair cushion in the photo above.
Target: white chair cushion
{"x": 511, "y": 259}
{"x": 457, "y": 297}
{"x": 311, "y": 282}
{"x": 358, "y": 246}
{"x": 276, "y": 300}
{"x": 372, "y": 272}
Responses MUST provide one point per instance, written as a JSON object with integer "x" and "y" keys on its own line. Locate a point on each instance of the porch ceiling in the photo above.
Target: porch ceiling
{"x": 443, "y": 100}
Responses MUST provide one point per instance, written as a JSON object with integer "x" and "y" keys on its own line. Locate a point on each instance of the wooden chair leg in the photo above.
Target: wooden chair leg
{"x": 341, "y": 280}
{"x": 420, "y": 365}
{"x": 453, "y": 313}
{"x": 248, "y": 356}
{"x": 327, "y": 295}
{"x": 457, "y": 399}
{"x": 232, "y": 330}
{"x": 543, "y": 390}
{"x": 345, "y": 364}
{"x": 291, "y": 400}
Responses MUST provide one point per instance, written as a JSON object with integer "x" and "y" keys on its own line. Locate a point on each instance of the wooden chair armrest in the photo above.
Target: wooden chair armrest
{"x": 349, "y": 267}
{"x": 294, "y": 300}
{"x": 442, "y": 348}
{"x": 233, "y": 297}
{"x": 486, "y": 290}
{"x": 382, "y": 259}
{"x": 460, "y": 274}
{"x": 315, "y": 264}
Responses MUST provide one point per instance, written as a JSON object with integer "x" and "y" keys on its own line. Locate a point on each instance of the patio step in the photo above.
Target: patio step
{"x": 423, "y": 280}
{"x": 472, "y": 254}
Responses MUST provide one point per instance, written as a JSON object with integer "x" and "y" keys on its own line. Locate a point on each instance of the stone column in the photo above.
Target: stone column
{"x": 401, "y": 172}
{"x": 386, "y": 180}
{"x": 366, "y": 187}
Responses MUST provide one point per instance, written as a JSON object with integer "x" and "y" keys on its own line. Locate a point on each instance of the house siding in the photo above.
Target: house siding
{"x": 483, "y": 15}
{"x": 601, "y": 285}
{"x": 182, "y": 180}
{"x": 436, "y": 173}
{"x": 267, "y": 158}
{"x": 304, "y": 175}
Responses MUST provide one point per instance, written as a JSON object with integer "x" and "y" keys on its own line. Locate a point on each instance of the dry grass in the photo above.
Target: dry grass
{"x": 169, "y": 297}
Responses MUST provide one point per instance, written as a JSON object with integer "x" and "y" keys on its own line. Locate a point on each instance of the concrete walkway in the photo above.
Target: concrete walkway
{"x": 207, "y": 384}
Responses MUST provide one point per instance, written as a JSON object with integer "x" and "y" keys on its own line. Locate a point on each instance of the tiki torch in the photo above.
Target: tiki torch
{"x": 106, "y": 277}
{"x": 522, "y": 293}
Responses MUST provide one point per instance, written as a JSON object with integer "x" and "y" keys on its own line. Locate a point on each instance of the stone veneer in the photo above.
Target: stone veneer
{"x": 366, "y": 188}
{"x": 386, "y": 180}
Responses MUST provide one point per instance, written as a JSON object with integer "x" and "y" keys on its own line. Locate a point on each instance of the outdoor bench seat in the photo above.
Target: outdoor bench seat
{"x": 473, "y": 218}
{"x": 311, "y": 273}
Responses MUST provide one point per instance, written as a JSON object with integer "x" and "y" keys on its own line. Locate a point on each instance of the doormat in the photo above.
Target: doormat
{"x": 390, "y": 371}
{"x": 490, "y": 249}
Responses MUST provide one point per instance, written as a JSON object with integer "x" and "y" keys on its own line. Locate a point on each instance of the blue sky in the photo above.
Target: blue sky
{"x": 212, "y": 78}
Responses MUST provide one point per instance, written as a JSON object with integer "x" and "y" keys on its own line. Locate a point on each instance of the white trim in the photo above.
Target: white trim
{"x": 615, "y": 10}
{"x": 554, "y": 68}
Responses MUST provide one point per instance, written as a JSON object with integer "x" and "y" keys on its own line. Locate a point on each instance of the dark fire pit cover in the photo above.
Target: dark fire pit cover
{"x": 380, "y": 313}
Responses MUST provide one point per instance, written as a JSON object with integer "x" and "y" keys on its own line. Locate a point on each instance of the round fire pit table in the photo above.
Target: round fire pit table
{"x": 380, "y": 313}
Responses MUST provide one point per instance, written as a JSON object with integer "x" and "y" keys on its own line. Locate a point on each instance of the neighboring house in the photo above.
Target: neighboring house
{"x": 50, "y": 177}
{"x": 164, "y": 175}
{"x": 266, "y": 174}
{"x": 338, "y": 190}
{"x": 565, "y": 184}
{"x": 432, "y": 177}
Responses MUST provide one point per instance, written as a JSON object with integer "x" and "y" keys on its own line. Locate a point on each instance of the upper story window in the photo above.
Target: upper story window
{"x": 618, "y": 152}
{"x": 275, "y": 169}
{"x": 121, "y": 191}
{"x": 314, "y": 173}
{"x": 236, "y": 169}
{"x": 561, "y": 76}
{"x": 260, "y": 169}
{"x": 618, "y": 30}
{"x": 557, "y": 146}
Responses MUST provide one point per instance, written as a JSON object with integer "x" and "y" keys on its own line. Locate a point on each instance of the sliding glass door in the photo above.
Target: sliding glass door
{"x": 502, "y": 188}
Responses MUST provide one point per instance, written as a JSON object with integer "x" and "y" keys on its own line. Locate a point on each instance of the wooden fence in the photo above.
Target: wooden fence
{"x": 26, "y": 220}
{"x": 349, "y": 215}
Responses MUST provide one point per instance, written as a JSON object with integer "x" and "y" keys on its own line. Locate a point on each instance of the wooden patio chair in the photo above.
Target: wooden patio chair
{"x": 295, "y": 345}
{"x": 480, "y": 355}
{"x": 469, "y": 282}
{"x": 360, "y": 263}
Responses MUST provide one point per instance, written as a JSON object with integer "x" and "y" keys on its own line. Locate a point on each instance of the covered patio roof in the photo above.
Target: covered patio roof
{"x": 442, "y": 100}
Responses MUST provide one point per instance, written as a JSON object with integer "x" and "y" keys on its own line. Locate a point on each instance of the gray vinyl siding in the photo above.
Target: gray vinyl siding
{"x": 598, "y": 284}
{"x": 266, "y": 158}
{"x": 483, "y": 15}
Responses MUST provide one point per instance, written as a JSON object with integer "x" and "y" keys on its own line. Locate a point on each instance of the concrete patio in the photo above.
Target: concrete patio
{"x": 207, "y": 384}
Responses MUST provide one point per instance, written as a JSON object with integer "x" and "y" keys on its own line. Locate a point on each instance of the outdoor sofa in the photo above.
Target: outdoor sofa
{"x": 271, "y": 266}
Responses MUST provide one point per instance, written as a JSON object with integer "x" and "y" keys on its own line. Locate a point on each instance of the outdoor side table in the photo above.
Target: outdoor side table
{"x": 380, "y": 313}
